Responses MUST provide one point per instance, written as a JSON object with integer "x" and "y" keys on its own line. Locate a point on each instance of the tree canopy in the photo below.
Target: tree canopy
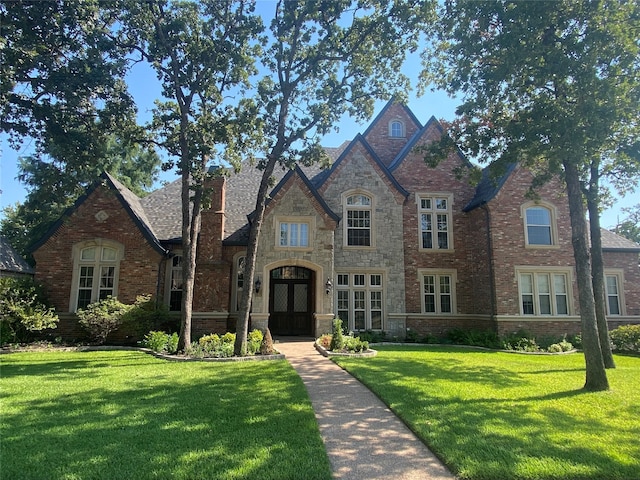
{"x": 553, "y": 86}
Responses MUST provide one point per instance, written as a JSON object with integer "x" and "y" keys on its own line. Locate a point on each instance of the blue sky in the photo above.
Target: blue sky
{"x": 145, "y": 89}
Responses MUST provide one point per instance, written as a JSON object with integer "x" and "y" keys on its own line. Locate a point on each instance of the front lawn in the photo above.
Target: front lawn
{"x": 125, "y": 415}
{"x": 495, "y": 415}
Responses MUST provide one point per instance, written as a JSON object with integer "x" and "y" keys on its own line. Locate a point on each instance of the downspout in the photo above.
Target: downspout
{"x": 492, "y": 279}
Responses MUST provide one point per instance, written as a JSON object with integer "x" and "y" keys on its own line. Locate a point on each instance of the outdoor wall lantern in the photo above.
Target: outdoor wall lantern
{"x": 258, "y": 285}
{"x": 328, "y": 286}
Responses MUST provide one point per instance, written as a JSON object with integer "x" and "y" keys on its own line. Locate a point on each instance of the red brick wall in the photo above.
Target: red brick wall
{"x": 138, "y": 272}
{"x": 628, "y": 263}
{"x": 508, "y": 238}
{"x": 469, "y": 236}
{"x": 378, "y": 137}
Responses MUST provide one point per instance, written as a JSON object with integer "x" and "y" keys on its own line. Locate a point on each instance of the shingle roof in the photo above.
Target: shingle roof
{"x": 488, "y": 187}
{"x": 11, "y": 261}
{"x": 613, "y": 242}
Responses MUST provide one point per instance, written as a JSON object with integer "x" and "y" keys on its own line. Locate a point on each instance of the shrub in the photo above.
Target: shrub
{"x": 337, "y": 337}
{"x": 354, "y": 344}
{"x": 325, "y": 341}
{"x": 479, "y": 338}
{"x": 23, "y": 310}
{"x": 103, "y": 317}
{"x": 626, "y": 338}
{"x": 161, "y": 342}
{"x": 254, "y": 340}
{"x": 145, "y": 314}
{"x": 520, "y": 341}
{"x": 373, "y": 336}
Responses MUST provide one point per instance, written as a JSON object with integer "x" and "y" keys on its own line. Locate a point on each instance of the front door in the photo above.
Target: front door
{"x": 290, "y": 303}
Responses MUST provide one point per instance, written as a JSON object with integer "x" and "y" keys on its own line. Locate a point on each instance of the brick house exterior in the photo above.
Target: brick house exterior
{"x": 379, "y": 239}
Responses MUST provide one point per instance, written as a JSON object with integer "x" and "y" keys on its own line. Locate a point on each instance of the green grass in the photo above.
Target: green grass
{"x": 125, "y": 415}
{"x": 494, "y": 415}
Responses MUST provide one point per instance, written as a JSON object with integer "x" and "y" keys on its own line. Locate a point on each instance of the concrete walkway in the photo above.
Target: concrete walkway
{"x": 363, "y": 438}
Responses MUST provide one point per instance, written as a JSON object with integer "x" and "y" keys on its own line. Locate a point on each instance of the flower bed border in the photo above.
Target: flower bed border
{"x": 328, "y": 353}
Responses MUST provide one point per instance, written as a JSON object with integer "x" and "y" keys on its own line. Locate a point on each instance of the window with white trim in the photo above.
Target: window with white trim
{"x": 539, "y": 225}
{"x": 614, "y": 292}
{"x": 96, "y": 273}
{"x": 434, "y": 213}
{"x": 293, "y": 234}
{"x": 358, "y": 211}
{"x": 544, "y": 293}
{"x": 438, "y": 291}
{"x": 175, "y": 283}
{"x": 360, "y": 300}
{"x": 396, "y": 129}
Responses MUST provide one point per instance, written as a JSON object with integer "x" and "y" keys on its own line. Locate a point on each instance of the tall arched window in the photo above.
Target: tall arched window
{"x": 358, "y": 224}
{"x": 539, "y": 225}
{"x": 96, "y": 269}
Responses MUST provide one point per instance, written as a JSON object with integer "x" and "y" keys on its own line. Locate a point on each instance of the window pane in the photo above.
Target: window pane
{"x": 527, "y": 304}
{"x": 441, "y": 203}
{"x": 526, "y": 283}
{"x": 614, "y": 305}
{"x": 284, "y": 234}
{"x": 280, "y": 297}
{"x": 612, "y": 285}
{"x": 359, "y": 200}
{"x": 376, "y": 280}
{"x": 376, "y": 320}
{"x": 88, "y": 254}
{"x": 343, "y": 279}
{"x": 359, "y": 280}
{"x": 425, "y": 203}
{"x": 84, "y": 298}
{"x": 358, "y": 300}
{"x": 427, "y": 240}
{"x": 445, "y": 303}
{"x": 358, "y": 320}
{"x": 108, "y": 254}
{"x": 304, "y": 235}
{"x": 539, "y": 235}
{"x": 561, "y": 305}
{"x": 538, "y": 216}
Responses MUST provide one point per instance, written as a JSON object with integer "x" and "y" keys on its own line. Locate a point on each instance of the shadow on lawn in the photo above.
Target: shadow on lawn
{"x": 501, "y": 435}
{"x": 251, "y": 421}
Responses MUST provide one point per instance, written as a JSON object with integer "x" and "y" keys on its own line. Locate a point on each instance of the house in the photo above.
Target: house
{"x": 379, "y": 239}
{"x": 11, "y": 263}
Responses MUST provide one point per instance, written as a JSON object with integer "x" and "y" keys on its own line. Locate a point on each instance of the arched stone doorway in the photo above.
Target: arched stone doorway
{"x": 291, "y": 301}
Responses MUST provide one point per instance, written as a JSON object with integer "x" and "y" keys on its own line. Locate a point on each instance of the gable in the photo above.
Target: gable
{"x": 386, "y": 140}
{"x": 359, "y": 150}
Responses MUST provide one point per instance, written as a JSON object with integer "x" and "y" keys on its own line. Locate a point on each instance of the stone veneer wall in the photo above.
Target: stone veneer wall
{"x": 387, "y": 256}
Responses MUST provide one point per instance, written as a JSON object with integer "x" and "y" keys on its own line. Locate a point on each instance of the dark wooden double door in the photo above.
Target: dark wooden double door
{"x": 290, "y": 300}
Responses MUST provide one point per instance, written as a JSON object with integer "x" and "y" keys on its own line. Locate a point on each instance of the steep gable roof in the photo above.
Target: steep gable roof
{"x": 11, "y": 261}
{"x": 130, "y": 202}
{"x": 383, "y": 112}
{"x": 488, "y": 187}
{"x": 360, "y": 140}
{"x": 413, "y": 141}
{"x": 312, "y": 190}
{"x": 612, "y": 242}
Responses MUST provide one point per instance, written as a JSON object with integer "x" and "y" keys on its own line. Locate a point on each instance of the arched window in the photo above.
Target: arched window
{"x": 358, "y": 224}
{"x": 396, "y": 129}
{"x": 96, "y": 269}
{"x": 539, "y": 225}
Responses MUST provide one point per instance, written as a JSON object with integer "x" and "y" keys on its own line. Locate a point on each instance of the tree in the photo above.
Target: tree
{"x": 62, "y": 85}
{"x": 325, "y": 59}
{"x": 61, "y": 77}
{"x": 547, "y": 84}
{"x": 630, "y": 226}
{"x": 55, "y": 184}
{"x": 202, "y": 52}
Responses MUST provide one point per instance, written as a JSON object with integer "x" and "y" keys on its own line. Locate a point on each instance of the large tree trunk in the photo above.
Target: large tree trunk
{"x": 596, "y": 375}
{"x": 242, "y": 325}
{"x": 597, "y": 269}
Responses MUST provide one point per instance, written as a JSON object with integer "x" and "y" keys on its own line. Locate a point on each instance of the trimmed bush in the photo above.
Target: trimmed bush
{"x": 626, "y": 338}
{"x": 337, "y": 337}
{"x": 101, "y": 318}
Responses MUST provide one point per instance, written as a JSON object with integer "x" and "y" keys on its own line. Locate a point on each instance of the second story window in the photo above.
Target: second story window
{"x": 294, "y": 234}
{"x": 358, "y": 224}
{"x": 539, "y": 226}
{"x": 435, "y": 222}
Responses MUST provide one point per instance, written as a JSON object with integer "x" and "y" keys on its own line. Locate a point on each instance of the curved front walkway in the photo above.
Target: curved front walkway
{"x": 363, "y": 438}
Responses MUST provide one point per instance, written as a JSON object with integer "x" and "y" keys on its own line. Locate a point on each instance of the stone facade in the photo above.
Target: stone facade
{"x": 419, "y": 249}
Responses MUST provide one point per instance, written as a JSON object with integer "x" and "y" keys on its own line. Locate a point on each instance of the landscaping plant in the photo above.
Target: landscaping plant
{"x": 23, "y": 310}
{"x": 101, "y": 318}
